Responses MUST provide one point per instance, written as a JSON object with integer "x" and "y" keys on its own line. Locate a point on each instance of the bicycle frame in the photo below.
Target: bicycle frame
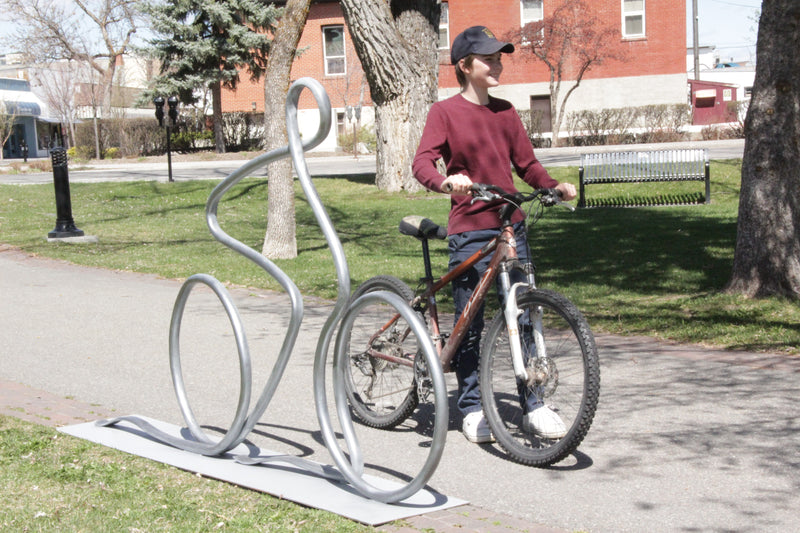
{"x": 504, "y": 248}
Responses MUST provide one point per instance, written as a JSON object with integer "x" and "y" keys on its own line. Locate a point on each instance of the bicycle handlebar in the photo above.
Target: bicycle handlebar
{"x": 488, "y": 193}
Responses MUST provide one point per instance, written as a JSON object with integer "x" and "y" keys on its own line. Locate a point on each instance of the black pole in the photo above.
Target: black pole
{"x": 65, "y": 225}
{"x": 169, "y": 155}
{"x": 172, "y": 103}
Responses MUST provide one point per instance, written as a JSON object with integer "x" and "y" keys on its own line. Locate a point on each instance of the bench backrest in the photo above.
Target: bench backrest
{"x": 654, "y": 165}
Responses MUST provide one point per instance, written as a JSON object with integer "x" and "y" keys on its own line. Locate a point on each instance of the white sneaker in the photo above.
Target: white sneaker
{"x": 545, "y": 423}
{"x": 476, "y": 429}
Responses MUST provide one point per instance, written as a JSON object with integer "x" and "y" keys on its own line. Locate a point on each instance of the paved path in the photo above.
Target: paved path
{"x": 685, "y": 439}
{"x": 326, "y": 165}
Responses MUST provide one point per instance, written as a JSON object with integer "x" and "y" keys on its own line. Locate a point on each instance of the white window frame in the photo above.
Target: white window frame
{"x": 444, "y": 27}
{"x": 522, "y": 18}
{"x": 326, "y": 57}
{"x": 633, "y": 13}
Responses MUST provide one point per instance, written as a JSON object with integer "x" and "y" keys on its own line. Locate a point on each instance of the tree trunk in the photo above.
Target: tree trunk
{"x": 280, "y": 241}
{"x": 396, "y": 43}
{"x": 216, "y": 113}
{"x": 555, "y": 114}
{"x": 767, "y": 257}
{"x": 96, "y": 134}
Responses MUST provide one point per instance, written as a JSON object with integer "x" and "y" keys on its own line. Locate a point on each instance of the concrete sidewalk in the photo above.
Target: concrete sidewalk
{"x": 685, "y": 438}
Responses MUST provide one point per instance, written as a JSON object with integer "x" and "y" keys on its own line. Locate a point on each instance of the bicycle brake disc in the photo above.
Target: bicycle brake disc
{"x": 543, "y": 374}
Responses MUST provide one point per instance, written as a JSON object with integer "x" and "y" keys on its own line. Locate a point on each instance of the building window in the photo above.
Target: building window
{"x": 444, "y": 27}
{"x": 532, "y": 11}
{"x": 341, "y": 126}
{"x": 633, "y": 18}
{"x": 333, "y": 49}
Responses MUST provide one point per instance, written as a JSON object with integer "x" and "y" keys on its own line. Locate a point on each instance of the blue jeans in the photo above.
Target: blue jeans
{"x": 462, "y": 246}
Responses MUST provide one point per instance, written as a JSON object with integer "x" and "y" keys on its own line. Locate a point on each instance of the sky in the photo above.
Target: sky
{"x": 730, "y": 25}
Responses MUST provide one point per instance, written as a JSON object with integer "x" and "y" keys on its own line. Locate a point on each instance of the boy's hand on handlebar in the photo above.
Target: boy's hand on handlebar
{"x": 567, "y": 191}
{"x": 457, "y": 184}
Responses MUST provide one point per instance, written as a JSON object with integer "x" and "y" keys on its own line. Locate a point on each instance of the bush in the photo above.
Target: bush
{"x": 42, "y": 165}
{"x": 189, "y": 141}
{"x": 242, "y": 131}
{"x": 532, "y": 120}
{"x": 663, "y": 123}
{"x": 365, "y": 136}
{"x": 651, "y": 123}
{"x": 137, "y": 137}
{"x": 80, "y": 153}
{"x": 112, "y": 153}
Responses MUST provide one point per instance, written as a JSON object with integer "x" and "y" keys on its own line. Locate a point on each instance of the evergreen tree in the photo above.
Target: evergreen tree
{"x": 205, "y": 43}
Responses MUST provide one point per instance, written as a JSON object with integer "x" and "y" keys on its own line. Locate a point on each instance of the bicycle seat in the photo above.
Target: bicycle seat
{"x": 422, "y": 228}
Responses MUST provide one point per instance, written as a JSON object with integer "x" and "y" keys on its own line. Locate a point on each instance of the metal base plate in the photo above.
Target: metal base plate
{"x": 285, "y": 480}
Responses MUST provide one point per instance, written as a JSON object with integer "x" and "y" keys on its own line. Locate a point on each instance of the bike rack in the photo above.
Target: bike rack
{"x": 343, "y": 314}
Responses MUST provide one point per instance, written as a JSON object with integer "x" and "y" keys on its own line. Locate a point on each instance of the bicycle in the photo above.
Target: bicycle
{"x": 539, "y": 343}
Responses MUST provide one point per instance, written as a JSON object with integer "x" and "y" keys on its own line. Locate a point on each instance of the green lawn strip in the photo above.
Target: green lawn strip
{"x": 656, "y": 271}
{"x": 55, "y": 482}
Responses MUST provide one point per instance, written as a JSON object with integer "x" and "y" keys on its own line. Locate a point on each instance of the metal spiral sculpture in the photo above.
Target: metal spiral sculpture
{"x": 343, "y": 314}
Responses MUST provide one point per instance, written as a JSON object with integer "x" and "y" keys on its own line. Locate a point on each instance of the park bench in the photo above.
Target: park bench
{"x": 652, "y": 166}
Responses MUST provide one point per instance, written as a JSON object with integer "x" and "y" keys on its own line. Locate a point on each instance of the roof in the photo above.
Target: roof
{"x": 16, "y": 98}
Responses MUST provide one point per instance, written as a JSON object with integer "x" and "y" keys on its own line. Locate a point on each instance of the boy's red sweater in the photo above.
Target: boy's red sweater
{"x": 481, "y": 142}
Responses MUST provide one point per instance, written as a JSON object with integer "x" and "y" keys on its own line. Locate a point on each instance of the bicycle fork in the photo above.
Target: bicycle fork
{"x": 512, "y": 312}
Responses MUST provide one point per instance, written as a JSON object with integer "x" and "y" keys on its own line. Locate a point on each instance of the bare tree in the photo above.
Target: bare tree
{"x": 767, "y": 257}
{"x": 94, "y": 32}
{"x": 58, "y": 84}
{"x": 6, "y": 125}
{"x": 280, "y": 241}
{"x": 350, "y": 90}
{"x": 396, "y": 42}
{"x": 570, "y": 41}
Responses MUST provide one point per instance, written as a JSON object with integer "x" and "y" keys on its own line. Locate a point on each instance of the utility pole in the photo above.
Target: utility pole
{"x": 695, "y": 38}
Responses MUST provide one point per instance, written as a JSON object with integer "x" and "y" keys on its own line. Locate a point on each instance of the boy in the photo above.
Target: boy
{"x": 477, "y": 136}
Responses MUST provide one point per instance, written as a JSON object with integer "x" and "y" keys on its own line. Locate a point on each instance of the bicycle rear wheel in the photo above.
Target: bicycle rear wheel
{"x": 568, "y": 379}
{"x": 381, "y": 393}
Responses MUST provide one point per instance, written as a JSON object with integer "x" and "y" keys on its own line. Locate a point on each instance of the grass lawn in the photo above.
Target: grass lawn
{"x": 655, "y": 271}
{"x": 55, "y": 482}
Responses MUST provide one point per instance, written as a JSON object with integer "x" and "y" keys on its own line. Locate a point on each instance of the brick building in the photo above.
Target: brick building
{"x": 652, "y": 33}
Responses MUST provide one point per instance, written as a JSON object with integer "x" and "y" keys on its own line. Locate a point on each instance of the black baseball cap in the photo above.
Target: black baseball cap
{"x": 477, "y": 40}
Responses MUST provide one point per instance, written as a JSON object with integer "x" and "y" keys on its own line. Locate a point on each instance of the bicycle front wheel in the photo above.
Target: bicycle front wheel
{"x": 564, "y": 375}
{"x": 382, "y": 353}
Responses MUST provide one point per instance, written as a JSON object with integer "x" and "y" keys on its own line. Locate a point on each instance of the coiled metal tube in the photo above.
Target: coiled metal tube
{"x": 342, "y": 314}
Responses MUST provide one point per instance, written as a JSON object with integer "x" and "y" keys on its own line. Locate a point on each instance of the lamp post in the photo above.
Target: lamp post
{"x": 65, "y": 224}
{"x": 172, "y": 104}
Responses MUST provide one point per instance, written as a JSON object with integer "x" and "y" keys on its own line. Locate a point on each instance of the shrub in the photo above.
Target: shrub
{"x": 187, "y": 141}
{"x": 242, "y": 131}
{"x": 42, "y": 165}
{"x": 663, "y": 123}
{"x": 651, "y": 123}
{"x": 366, "y": 136}
{"x": 80, "y": 153}
{"x": 532, "y": 120}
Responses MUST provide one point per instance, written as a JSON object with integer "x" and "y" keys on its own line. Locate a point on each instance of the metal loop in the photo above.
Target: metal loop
{"x": 244, "y": 423}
